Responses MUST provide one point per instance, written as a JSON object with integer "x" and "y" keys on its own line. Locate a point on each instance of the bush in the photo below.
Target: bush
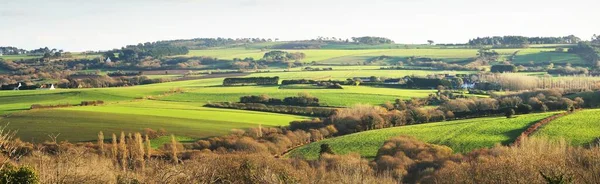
{"x": 504, "y": 68}
{"x": 11, "y": 174}
{"x": 509, "y": 113}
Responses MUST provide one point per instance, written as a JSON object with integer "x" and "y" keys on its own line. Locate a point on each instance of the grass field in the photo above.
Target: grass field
{"x": 580, "y": 128}
{"x": 354, "y": 56}
{"x": 182, "y": 119}
{"x": 182, "y": 113}
{"x": 547, "y": 55}
{"x": 462, "y": 135}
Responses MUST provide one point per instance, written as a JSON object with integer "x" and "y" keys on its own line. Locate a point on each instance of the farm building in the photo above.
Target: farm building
{"x": 47, "y": 87}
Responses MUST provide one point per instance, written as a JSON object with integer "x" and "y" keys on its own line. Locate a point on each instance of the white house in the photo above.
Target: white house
{"x": 44, "y": 87}
{"x": 108, "y": 60}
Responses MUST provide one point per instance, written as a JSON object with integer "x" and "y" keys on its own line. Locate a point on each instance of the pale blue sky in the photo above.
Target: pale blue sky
{"x": 78, "y": 25}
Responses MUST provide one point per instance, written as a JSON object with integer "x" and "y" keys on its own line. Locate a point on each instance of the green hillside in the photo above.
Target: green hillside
{"x": 462, "y": 135}
{"x": 580, "y": 128}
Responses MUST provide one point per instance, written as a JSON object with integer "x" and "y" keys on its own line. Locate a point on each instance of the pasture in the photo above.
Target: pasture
{"x": 461, "y": 135}
{"x": 580, "y": 128}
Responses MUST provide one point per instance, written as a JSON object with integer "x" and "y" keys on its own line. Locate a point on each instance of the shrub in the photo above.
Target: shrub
{"x": 11, "y": 174}
{"x": 326, "y": 149}
{"x": 509, "y": 113}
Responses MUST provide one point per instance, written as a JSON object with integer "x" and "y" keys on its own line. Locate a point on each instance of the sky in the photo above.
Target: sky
{"x": 81, "y": 25}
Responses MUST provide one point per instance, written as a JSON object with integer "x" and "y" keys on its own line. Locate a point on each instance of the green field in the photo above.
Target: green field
{"x": 462, "y": 135}
{"x": 182, "y": 119}
{"x": 547, "y": 55}
{"x": 181, "y": 113}
{"x": 580, "y": 128}
{"x": 344, "y": 56}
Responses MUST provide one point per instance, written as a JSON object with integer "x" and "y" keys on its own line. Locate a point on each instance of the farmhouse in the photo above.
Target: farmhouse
{"x": 47, "y": 87}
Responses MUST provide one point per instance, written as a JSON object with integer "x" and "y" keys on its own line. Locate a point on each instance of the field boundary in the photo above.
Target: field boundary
{"x": 533, "y": 128}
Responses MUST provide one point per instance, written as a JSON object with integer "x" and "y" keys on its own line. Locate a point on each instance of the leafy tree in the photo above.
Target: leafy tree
{"x": 431, "y": 42}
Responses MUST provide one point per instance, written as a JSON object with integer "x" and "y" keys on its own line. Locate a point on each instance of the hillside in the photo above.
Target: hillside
{"x": 462, "y": 135}
{"x": 580, "y": 128}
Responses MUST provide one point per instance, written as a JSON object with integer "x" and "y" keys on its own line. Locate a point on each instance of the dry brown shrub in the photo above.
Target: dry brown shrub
{"x": 524, "y": 164}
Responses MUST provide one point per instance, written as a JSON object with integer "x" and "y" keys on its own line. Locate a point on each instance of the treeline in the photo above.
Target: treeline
{"x": 521, "y": 41}
{"x": 303, "y": 99}
{"x": 283, "y": 109}
{"x": 52, "y": 106}
{"x": 506, "y": 81}
{"x": 103, "y": 81}
{"x": 328, "y": 84}
{"x": 251, "y": 81}
{"x": 122, "y": 74}
{"x": 371, "y": 40}
{"x": 568, "y": 70}
{"x": 12, "y": 51}
{"x": 204, "y": 43}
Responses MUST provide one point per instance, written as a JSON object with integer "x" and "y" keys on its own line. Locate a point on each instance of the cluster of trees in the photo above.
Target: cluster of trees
{"x": 521, "y": 103}
{"x": 424, "y": 83}
{"x": 372, "y": 40}
{"x": 279, "y": 56}
{"x": 504, "y": 68}
{"x": 12, "y": 51}
{"x": 133, "y": 53}
{"x": 507, "y": 81}
{"x": 303, "y": 99}
{"x": 568, "y": 70}
{"x": 521, "y": 41}
{"x": 251, "y": 81}
{"x": 589, "y": 52}
{"x": 122, "y": 74}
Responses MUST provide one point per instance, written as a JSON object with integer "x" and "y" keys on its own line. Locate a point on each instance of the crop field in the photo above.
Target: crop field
{"x": 182, "y": 119}
{"x": 580, "y": 128}
{"x": 461, "y": 135}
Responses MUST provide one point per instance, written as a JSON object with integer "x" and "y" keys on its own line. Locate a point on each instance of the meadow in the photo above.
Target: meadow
{"x": 580, "y": 128}
{"x": 461, "y": 135}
